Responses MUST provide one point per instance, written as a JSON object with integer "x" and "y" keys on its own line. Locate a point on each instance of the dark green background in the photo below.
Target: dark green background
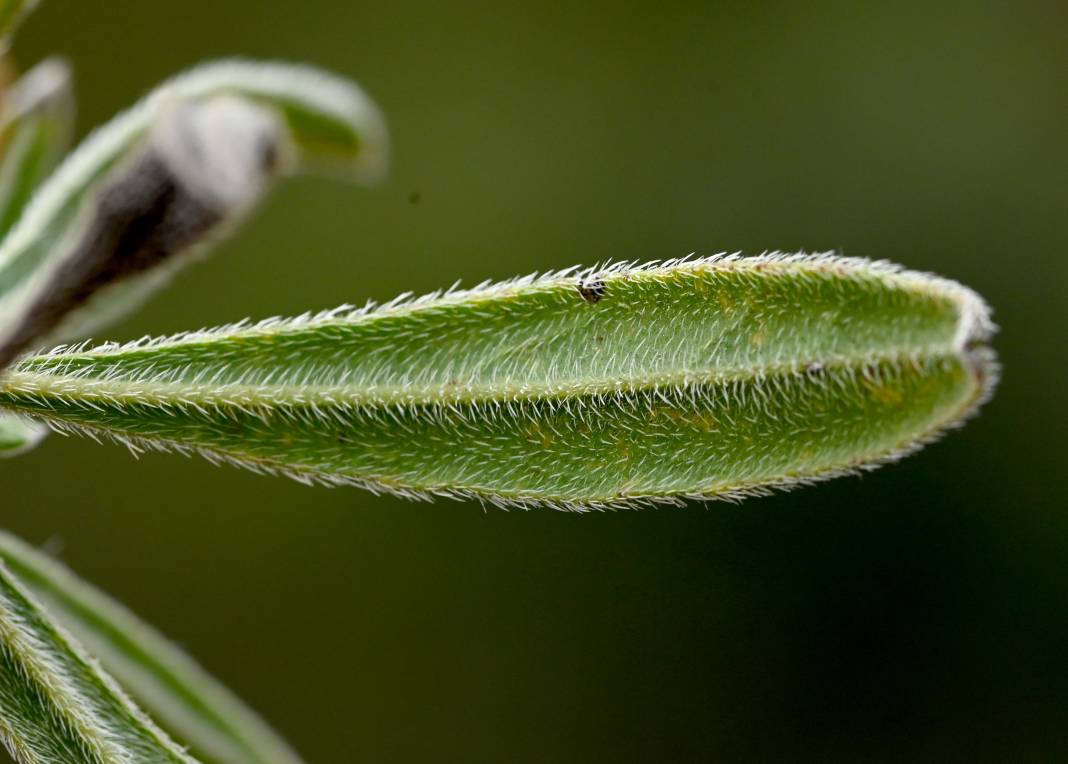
{"x": 917, "y": 614}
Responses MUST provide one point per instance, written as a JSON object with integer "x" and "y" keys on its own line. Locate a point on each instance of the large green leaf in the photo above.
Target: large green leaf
{"x": 620, "y": 385}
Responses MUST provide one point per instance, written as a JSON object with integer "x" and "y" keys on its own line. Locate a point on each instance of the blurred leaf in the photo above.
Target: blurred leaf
{"x": 18, "y": 434}
{"x": 165, "y": 178}
{"x": 615, "y": 386}
{"x": 35, "y": 126}
{"x": 35, "y": 129}
{"x": 177, "y": 691}
{"x": 57, "y": 706}
{"x": 11, "y": 13}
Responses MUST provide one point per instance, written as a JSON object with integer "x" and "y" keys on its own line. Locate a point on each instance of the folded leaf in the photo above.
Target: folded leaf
{"x": 56, "y": 705}
{"x": 177, "y": 691}
{"x": 619, "y": 385}
{"x": 164, "y": 179}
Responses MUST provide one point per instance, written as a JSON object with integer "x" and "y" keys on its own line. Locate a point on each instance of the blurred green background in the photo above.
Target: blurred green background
{"x": 917, "y": 614}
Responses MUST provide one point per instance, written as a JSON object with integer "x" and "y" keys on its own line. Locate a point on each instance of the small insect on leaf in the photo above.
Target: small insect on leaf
{"x": 592, "y": 289}
{"x": 712, "y": 378}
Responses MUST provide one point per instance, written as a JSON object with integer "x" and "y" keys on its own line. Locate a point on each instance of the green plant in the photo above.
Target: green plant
{"x": 613, "y": 386}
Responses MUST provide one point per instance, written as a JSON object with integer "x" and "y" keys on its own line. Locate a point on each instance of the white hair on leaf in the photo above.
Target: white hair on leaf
{"x": 715, "y": 378}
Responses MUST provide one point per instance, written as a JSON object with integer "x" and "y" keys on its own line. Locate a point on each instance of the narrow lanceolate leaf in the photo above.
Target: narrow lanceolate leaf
{"x": 56, "y": 705}
{"x": 164, "y": 179}
{"x": 36, "y": 121}
{"x": 36, "y": 118}
{"x": 174, "y": 689}
{"x": 620, "y": 385}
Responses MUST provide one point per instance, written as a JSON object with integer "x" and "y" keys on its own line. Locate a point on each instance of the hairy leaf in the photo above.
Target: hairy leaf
{"x": 165, "y": 178}
{"x": 56, "y": 705}
{"x": 619, "y": 385}
{"x": 177, "y": 691}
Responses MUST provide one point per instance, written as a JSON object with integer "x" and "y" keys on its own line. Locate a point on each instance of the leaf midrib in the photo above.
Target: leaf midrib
{"x": 85, "y": 387}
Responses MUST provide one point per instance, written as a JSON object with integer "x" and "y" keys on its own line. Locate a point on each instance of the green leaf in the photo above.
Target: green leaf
{"x": 36, "y": 122}
{"x": 177, "y": 691}
{"x": 35, "y": 125}
{"x": 710, "y": 378}
{"x": 166, "y": 178}
{"x": 56, "y": 705}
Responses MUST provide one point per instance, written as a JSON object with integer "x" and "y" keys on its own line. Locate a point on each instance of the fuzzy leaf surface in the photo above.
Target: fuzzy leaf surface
{"x": 620, "y": 385}
{"x": 56, "y": 705}
{"x": 170, "y": 685}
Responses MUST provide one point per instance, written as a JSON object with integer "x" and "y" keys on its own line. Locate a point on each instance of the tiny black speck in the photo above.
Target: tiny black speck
{"x": 592, "y": 291}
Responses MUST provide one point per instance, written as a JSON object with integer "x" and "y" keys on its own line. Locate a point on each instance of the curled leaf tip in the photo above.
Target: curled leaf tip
{"x": 162, "y": 180}
{"x": 19, "y": 435}
{"x": 222, "y": 151}
{"x": 335, "y": 127}
{"x": 48, "y": 84}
